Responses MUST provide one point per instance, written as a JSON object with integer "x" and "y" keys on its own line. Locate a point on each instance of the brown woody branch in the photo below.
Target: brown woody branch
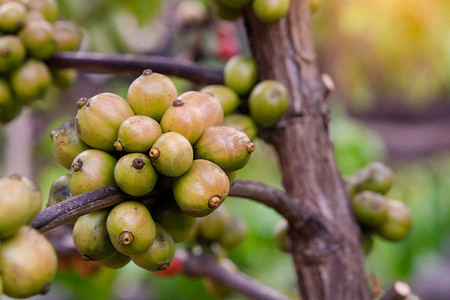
{"x": 206, "y": 266}
{"x": 77, "y": 206}
{"x": 119, "y": 63}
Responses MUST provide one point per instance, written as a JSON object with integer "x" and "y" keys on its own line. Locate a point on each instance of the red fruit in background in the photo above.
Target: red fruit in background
{"x": 228, "y": 44}
{"x": 175, "y": 268}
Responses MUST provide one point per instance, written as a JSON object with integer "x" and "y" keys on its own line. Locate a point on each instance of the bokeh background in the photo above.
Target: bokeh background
{"x": 390, "y": 62}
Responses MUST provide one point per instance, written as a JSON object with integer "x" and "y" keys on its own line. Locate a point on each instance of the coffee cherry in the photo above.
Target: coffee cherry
{"x": 173, "y": 219}
{"x": 243, "y": 123}
{"x": 268, "y": 102}
{"x": 172, "y": 154}
{"x": 37, "y": 36}
{"x": 116, "y": 261}
{"x": 208, "y": 105}
{"x": 12, "y": 16}
{"x": 241, "y": 74}
{"x": 175, "y": 268}
{"x": 185, "y": 119}
{"x": 29, "y": 264}
{"x": 9, "y": 106}
{"x": 30, "y": 81}
{"x": 375, "y": 177}
{"x": 280, "y": 235}
{"x": 228, "y": 147}
{"x": 99, "y": 118}
{"x": 270, "y": 10}
{"x": 66, "y": 35}
{"x": 159, "y": 255}
{"x": 225, "y": 12}
{"x": 63, "y": 78}
{"x": 137, "y": 134}
{"x": 370, "y": 208}
{"x": 12, "y": 52}
{"x": 90, "y": 170}
{"x": 91, "y": 238}
{"x": 213, "y": 225}
{"x": 235, "y": 233}
{"x": 66, "y": 144}
{"x": 131, "y": 228}
{"x": 235, "y": 3}
{"x": 135, "y": 175}
{"x": 151, "y": 94}
{"x": 59, "y": 191}
{"x": 228, "y": 98}
{"x": 397, "y": 224}
{"x": 48, "y": 8}
{"x": 202, "y": 189}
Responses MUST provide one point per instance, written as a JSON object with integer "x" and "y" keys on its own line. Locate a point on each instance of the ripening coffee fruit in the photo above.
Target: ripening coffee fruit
{"x": 12, "y": 16}
{"x": 202, "y": 189}
{"x": 167, "y": 213}
{"x": 20, "y": 202}
{"x": 172, "y": 154}
{"x": 370, "y": 208}
{"x": 269, "y": 10}
{"x": 59, "y": 191}
{"x": 99, "y": 118}
{"x": 29, "y": 264}
{"x": 376, "y": 177}
{"x": 397, "y": 224}
{"x": 66, "y": 35}
{"x": 280, "y": 235}
{"x": 91, "y": 238}
{"x": 225, "y": 12}
{"x": 227, "y": 147}
{"x": 151, "y": 94}
{"x": 63, "y": 78}
{"x": 48, "y": 8}
{"x": 37, "y": 36}
{"x": 137, "y": 134}
{"x": 213, "y": 225}
{"x": 241, "y": 74}
{"x": 66, "y": 144}
{"x": 9, "y": 106}
{"x": 185, "y": 119}
{"x": 131, "y": 227}
{"x": 135, "y": 175}
{"x": 243, "y": 123}
{"x": 30, "y": 81}
{"x": 159, "y": 255}
{"x": 228, "y": 98}
{"x": 209, "y": 106}
{"x": 90, "y": 170}
{"x": 235, "y": 233}
{"x": 268, "y": 102}
{"x": 116, "y": 261}
{"x": 12, "y": 52}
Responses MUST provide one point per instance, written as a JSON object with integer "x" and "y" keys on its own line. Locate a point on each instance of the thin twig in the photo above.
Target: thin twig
{"x": 120, "y": 63}
{"x": 398, "y": 291}
{"x": 77, "y": 206}
{"x": 206, "y": 266}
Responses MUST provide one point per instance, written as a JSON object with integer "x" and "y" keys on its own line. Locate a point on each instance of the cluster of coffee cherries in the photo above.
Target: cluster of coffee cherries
{"x": 390, "y": 219}
{"x": 29, "y": 34}
{"x": 28, "y": 262}
{"x": 156, "y": 142}
{"x": 268, "y": 100}
{"x": 266, "y": 11}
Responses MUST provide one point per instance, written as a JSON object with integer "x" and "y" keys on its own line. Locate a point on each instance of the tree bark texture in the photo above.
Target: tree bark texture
{"x": 326, "y": 251}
